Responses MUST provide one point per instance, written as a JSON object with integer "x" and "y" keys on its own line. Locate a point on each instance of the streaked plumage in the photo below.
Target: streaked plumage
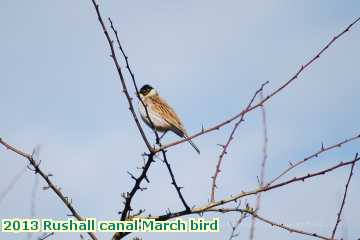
{"x": 161, "y": 114}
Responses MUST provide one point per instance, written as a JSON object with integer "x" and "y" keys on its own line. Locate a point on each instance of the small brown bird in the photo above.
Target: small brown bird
{"x": 161, "y": 114}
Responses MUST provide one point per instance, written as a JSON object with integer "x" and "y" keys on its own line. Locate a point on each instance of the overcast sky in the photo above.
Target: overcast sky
{"x": 59, "y": 90}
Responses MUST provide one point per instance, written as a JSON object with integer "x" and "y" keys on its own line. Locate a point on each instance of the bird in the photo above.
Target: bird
{"x": 162, "y": 116}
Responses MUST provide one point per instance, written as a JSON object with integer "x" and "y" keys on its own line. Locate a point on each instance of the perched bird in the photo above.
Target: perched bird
{"x": 161, "y": 114}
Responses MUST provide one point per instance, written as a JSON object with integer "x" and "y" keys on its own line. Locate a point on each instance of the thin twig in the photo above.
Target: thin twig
{"x": 45, "y": 236}
{"x": 270, "y": 222}
{"x": 122, "y": 80}
{"x": 316, "y": 154}
{"x": 262, "y": 172}
{"x": 12, "y": 183}
{"x": 233, "y": 198}
{"x": 173, "y": 181}
{"x": 260, "y": 103}
{"x": 233, "y": 234}
{"x": 226, "y": 145}
{"x": 33, "y": 202}
{"x": 50, "y": 184}
{"x": 129, "y": 196}
{"x": 134, "y": 81}
{"x": 289, "y": 229}
{"x": 36, "y": 155}
{"x": 343, "y": 200}
{"x": 211, "y": 207}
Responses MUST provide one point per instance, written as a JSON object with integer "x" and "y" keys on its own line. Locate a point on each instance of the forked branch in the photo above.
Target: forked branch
{"x": 260, "y": 103}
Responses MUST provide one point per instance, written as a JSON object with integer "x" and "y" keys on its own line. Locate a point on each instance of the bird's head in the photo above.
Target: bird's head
{"x": 147, "y": 90}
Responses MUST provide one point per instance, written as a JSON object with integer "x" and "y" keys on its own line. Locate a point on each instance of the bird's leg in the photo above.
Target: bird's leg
{"x": 162, "y": 135}
{"x": 159, "y": 138}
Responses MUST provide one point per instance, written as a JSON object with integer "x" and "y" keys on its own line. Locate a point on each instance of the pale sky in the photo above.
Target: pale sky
{"x": 59, "y": 89}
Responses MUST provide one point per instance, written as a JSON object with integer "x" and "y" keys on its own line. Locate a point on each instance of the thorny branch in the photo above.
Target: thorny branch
{"x": 134, "y": 81}
{"x": 243, "y": 215}
{"x": 260, "y": 103}
{"x": 136, "y": 187}
{"x": 177, "y": 188}
{"x": 233, "y": 234}
{"x": 122, "y": 80}
{"x": 343, "y": 200}
{"x": 316, "y": 154}
{"x": 173, "y": 181}
{"x": 236, "y": 197}
{"x": 212, "y": 207}
{"x": 225, "y": 147}
{"x": 37, "y": 170}
{"x": 270, "y": 222}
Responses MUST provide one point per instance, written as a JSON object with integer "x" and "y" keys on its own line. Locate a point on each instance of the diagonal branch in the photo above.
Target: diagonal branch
{"x": 46, "y": 177}
{"x": 129, "y": 196}
{"x": 12, "y": 184}
{"x": 177, "y": 188}
{"x": 45, "y": 236}
{"x": 343, "y": 200}
{"x": 260, "y": 103}
{"x": 173, "y": 182}
{"x": 211, "y": 207}
{"x": 316, "y": 154}
{"x": 122, "y": 80}
{"x": 270, "y": 222}
{"x": 233, "y": 234}
{"x": 225, "y": 147}
{"x": 236, "y": 197}
{"x": 289, "y": 229}
{"x": 134, "y": 81}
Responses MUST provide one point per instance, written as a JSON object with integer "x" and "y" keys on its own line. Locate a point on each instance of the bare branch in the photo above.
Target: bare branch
{"x": 316, "y": 154}
{"x": 33, "y": 202}
{"x": 233, "y": 234}
{"x": 233, "y": 198}
{"x": 129, "y": 196}
{"x": 270, "y": 222}
{"x": 343, "y": 200}
{"x": 263, "y": 163}
{"x": 134, "y": 82}
{"x": 289, "y": 229}
{"x": 122, "y": 80}
{"x": 226, "y": 145}
{"x": 260, "y": 103}
{"x": 51, "y": 185}
{"x": 173, "y": 182}
{"x": 12, "y": 184}
{"x": 45, "y": 236}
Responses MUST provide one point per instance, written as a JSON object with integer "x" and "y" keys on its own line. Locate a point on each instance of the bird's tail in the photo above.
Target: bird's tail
{"x": 193, "y": 144}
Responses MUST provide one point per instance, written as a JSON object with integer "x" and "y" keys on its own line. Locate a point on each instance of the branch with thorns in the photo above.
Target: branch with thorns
{"x": 260, "y": 103}
{"x": 271, "y": 222}
{"x": 226, "y": 145}
{"x": 343, "y": 199}
{"x": 173, "y": 182}
{"x": 213, "y": 207}
{"x": 37, "y": 170}
{"x": 316, "y": 154}
{"x": 210, "y": 207}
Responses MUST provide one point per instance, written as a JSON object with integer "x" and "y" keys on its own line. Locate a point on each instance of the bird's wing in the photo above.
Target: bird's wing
{"x": 160, "y": 106}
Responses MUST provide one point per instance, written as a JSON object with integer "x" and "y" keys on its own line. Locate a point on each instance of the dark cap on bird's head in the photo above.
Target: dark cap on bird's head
{"x": 146, "y": 89}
